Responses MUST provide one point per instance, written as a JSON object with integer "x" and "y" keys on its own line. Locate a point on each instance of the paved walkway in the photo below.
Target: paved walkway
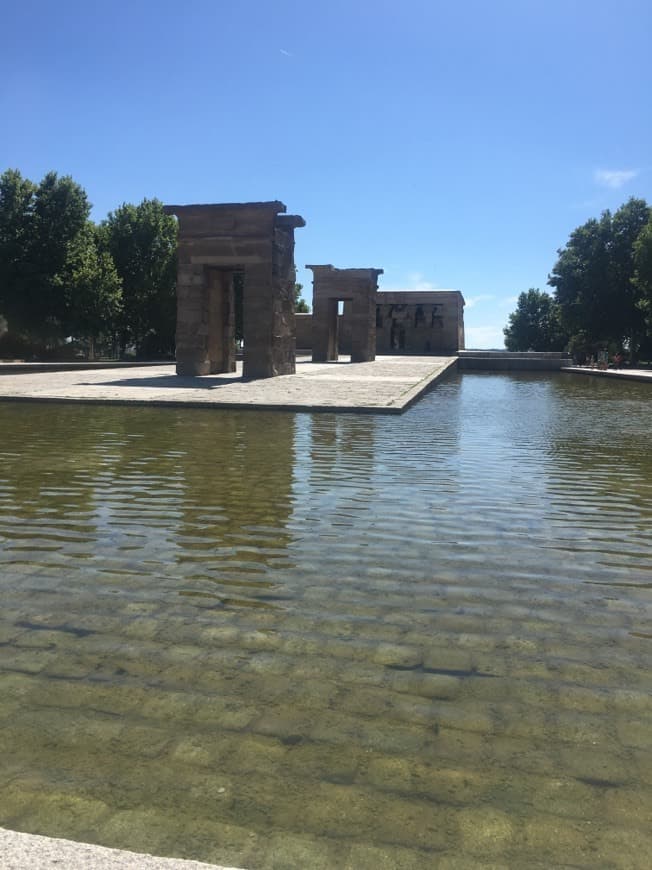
{"x": 624, "y": 374}
{"x": 387, "y": 386}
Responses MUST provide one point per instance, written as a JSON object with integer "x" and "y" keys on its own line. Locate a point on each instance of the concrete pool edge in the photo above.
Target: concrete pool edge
{"x": 22, "y": 851}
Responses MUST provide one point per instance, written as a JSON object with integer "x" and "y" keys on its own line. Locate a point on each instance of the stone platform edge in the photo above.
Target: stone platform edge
{"x": 396, "y": 406}
{"x": 216, "y": 406}
{"x": 414, "y": 393}
{"x": 623, "y": 374}
{"x": 34, "y": 852}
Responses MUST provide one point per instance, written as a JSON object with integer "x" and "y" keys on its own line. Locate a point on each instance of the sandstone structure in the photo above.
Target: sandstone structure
{"x": 406, "y": 322}
{"x": 215, "y": 242}
{"x": 420, "y": 322}
{"x": 357, "y": 288}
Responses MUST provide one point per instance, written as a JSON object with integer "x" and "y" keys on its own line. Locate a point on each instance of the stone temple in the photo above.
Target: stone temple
{"x": 351, "y": 316}
{"x": 419, "y": 322}
{"x": 216, "y": 242}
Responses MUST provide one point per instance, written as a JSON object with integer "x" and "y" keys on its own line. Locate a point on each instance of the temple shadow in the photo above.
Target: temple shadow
{"x": 177, "y": 382}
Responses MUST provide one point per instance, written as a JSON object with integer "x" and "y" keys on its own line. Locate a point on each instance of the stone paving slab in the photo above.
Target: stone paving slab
{"x": 387, "y": 386}
{"x": 33, "y": 852}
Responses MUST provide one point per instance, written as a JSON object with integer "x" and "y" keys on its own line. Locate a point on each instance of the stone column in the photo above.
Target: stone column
{"x": 363, "y": 317}
{"x": 284, "y": 276}
{"x": 192, "y": 320}
{"x": 257, "y": 304}
{"x": 221, "y": 320}
{"x": 324, "y": 330}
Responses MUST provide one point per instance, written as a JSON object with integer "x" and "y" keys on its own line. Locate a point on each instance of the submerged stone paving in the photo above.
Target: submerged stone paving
{"x": 313, "y": 641}
{"x": 386, "y": 386}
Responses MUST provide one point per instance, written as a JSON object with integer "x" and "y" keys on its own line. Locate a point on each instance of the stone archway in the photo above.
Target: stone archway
{"x": 215, "y": 242}
{"x": 357, "y": 289}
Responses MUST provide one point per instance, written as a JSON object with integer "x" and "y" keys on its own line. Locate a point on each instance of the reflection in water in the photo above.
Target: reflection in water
{"x": 334, "y": 641}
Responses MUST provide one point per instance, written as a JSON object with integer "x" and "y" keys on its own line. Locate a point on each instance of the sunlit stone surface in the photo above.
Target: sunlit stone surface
{"x": 276, "y": 641}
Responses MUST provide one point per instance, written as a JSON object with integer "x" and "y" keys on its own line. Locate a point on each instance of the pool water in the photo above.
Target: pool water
{"x": 319, "y": 641}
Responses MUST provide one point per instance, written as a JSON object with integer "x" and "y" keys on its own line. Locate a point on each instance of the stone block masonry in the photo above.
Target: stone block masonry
{"x": 405, "y": 322}
{"x": 420, "y": 322}
{"x": 215, "y": 242}
{"x": 357, "y": 288}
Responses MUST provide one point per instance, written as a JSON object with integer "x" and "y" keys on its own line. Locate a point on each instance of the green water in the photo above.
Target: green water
{"x": 294, "y": 641}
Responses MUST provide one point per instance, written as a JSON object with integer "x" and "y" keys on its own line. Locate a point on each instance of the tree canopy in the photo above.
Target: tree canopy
{"x": 602, "y": 282}
{"x": 63, "y": 277}
{"x": 142, "y": 241}
{"x": 300, "y": 304}
{"x": 643, "y": 272}
{"x": 93, "y": 289}
{"x": 40, "y": 225}
{"x": 595, "y": 282}
{"x": 535, "y": 325}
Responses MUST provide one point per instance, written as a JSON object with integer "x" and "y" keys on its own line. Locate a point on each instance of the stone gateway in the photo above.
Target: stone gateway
{"x": 215, "y": 242}
{"x": 357, "y": 289}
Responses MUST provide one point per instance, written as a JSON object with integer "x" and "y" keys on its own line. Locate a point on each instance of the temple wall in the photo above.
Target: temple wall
{"x": 420, "y": 322}
{"x": 438, "y": 328}
{"x": 303, "y": 324}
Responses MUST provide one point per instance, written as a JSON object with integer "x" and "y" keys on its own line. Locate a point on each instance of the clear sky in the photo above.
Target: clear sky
{"x": 454, "y": 145}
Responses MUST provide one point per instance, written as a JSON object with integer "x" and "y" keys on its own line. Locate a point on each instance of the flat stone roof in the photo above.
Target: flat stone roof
{"x": 389, "y": 385}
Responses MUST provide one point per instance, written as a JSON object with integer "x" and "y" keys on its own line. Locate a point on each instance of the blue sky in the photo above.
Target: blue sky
{"x": 454, "y": 145}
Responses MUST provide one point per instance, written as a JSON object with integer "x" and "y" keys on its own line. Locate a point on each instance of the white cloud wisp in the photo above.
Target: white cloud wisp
{"x": 614, "y": 178}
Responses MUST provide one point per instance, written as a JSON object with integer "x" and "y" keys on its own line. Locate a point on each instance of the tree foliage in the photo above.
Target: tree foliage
{"x": 643, "y": 272}
{"x": 16, "y": 217}
{"x": 142, "y": 241}
{"x": 535, "y": 325}
{"x": 300, "y": 304}
{"x": 93, "y": 290}
{"x": 39, "y": 228}
{"x": 62, "y": 277}
{"x": 594, "y": 278}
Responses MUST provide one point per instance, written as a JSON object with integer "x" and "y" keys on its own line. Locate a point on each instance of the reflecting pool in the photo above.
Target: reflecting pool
{"x": 293, "y": 641}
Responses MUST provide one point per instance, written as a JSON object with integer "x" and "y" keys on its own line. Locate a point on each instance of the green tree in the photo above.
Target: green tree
{"x": 93, "y": 291}
{"x": 535, "y": 325}
{"x": 39, "y": 225}
{"x": 627, "y": 225}
{"x": 643, "y": 266}
{"x": 300, "y": 304}
{"x": 142, "y": 240}
{"x": 581, "y": 279}
{"x": 593, "y": 278}
{"x": 643, "y": 280}
{"x": 16, "y": 216}
{"x": 60, "y": 214}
